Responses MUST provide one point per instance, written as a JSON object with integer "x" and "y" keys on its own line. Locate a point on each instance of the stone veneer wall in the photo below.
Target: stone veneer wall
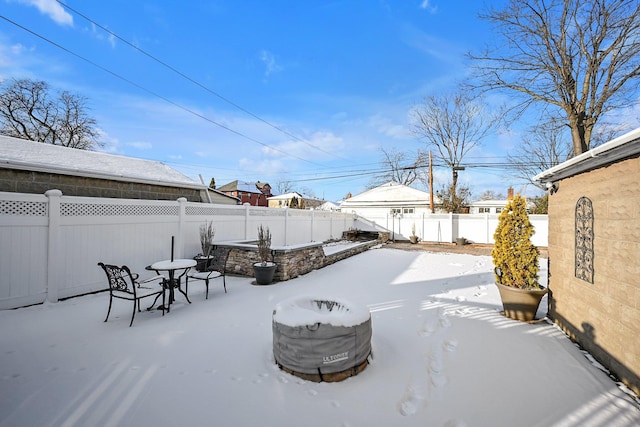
{"x": 17, "y": 181}
{"x": 291, "y": 262}
{"x": 603, "y": 316}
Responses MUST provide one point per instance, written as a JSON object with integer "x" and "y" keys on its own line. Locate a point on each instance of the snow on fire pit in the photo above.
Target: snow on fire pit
{"x": 321, "y": 339}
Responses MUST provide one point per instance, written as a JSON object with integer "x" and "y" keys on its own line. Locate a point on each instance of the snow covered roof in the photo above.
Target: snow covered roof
{"x": 620, "y": 148}
{"x": 22, "y": 154}
{"x": 243, "y": 186}
{"x": 287, "y": 196}
{"x": 389, "y": 193}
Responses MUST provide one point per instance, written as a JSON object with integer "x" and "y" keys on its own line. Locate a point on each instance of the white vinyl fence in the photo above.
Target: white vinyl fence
{"x": 476, "y": 228}
{"x": 50, "y": 244}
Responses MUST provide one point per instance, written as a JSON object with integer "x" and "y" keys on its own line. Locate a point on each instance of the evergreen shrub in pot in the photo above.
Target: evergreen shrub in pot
{"x": 264, "y": 270}
{"x": 515, "y": 259}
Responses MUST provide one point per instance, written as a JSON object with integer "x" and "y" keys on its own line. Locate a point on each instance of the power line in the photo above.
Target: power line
{"x": 114, "y": 74}
{"x": 195, "y": 82}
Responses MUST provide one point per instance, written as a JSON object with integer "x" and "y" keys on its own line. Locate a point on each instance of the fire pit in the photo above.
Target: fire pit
{"x": 320, "y": 339}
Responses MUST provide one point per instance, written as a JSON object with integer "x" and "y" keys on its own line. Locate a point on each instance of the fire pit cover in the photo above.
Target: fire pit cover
{"x": 321, "y": 336}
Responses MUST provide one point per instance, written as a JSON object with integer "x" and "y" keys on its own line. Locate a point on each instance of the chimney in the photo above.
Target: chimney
{"x": 349, "y": 195}
{"x": 509, "y": 193}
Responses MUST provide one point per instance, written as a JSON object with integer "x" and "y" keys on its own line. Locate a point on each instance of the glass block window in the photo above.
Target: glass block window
{"x": 584, "y": 240}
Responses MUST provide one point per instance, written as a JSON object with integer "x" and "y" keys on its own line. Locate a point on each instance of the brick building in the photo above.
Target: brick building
{"x": 594, "y": 252}
{"x": 35, "y": 167}
{"x": 254, "y": 193}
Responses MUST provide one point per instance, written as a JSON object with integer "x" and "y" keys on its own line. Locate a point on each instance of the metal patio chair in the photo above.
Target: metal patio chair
{"x": 124, "y": 284}
{"x": 216, "y": 267}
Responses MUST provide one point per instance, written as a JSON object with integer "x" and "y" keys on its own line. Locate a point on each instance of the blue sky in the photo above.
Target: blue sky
{"x": 305, "y": 92}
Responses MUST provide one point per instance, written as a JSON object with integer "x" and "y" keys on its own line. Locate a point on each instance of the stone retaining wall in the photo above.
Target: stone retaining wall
{"x": 291, "y": 262}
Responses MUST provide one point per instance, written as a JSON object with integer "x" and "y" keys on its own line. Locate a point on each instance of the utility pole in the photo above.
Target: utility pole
{"x": 431, "y": 185}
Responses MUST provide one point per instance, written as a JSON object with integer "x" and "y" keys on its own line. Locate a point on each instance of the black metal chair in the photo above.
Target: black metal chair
{"x": 124, "y": 284}
{"x": 216, "y": 267}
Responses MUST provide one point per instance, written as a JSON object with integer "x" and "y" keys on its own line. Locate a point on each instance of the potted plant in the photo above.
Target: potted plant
{"x": 413, "y": 238}
{"x": 207, "y": 231}
{"x": 265, "y": 269}
{"x": 516, "y": 262}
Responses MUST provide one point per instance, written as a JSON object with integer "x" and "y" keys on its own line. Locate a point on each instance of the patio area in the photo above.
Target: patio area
{"x": 442, "y": 356}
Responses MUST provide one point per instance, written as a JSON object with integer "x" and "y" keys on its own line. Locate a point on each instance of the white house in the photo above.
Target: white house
{"x": 328, "y": 206}
{"x": 391, "y": 198}
{"x": 487, "y": 206}
{"x": 284, "y": 200}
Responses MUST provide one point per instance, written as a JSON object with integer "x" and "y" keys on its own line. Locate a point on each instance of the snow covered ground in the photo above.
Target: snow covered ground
{"x": 442, "y": 356}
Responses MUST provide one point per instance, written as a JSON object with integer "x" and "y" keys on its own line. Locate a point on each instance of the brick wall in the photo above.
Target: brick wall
{"x": 16, "y": 181}
{"x": 604, "y": 317}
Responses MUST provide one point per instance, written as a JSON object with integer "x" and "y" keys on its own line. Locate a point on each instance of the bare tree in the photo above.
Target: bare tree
{"x": 453, "y": 125}
{"x": 401, "y": 167}
{"x": 491, "y": 195}
{"x": 578, "y": 58}
{"x": 539, "y": 150}
{"x": 28, "y": 111}
{"x": 283, "y": 187}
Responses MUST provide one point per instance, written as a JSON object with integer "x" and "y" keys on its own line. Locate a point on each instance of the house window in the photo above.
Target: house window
{"x": 484, "y": 210}
{"x": 584, "y": 240}
{"x": 407, "y": 210}
{"x": 498, "y": 210}
{"x": 396, "y": 211}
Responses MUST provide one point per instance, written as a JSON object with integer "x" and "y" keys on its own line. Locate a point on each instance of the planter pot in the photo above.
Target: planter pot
{"x": 413, "y": 239}
{"x": 520, "y": 304}
{"x": 461, "y": 241}
{"x": 202, "y": 262}
{"x": 264, "y": 273}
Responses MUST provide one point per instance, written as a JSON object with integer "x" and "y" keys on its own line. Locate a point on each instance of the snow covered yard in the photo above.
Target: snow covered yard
{"x": 442, "y": 356}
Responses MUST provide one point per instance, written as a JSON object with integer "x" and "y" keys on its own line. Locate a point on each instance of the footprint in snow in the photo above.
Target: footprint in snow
{"x": 411, "y": 401}
{"x": 335, "y": 404}
{"x": 428, "y": 328}
{"x": 450, "y": 345}
{"x": 445, "y": 322}
{"x": 461, "y": 298}
{"x": 312, "y": 392}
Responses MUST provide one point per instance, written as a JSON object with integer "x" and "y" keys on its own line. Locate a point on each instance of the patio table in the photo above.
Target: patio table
{"x": 171, "y": 266}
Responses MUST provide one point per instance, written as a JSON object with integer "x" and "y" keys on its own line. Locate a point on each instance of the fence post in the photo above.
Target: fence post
{"x": 247, "y": 206}
{"x": 181, "y": 219}
{"x": 313, "y": 217}
{"x": 486, "y": 221}
{"x": 454, "y": 232}
{"x": 286, "y": 223}
{"x": 54, "y": 248}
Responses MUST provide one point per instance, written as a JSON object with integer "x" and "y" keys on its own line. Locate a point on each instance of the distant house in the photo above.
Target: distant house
{"x": 494, "y": 206}
{"x": 594, "y": 252}
{"x": 35, "y": 167}
{"x": 487, "y": 206}
{"x": 294, "y": 200}
{"x": 329, "y": 206}
{"x": 254, "y": 193}
{"x": 390, "y": 198}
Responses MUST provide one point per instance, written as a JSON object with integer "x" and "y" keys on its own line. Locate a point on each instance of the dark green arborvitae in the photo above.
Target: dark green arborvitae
{"x": 514, "y": 256}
